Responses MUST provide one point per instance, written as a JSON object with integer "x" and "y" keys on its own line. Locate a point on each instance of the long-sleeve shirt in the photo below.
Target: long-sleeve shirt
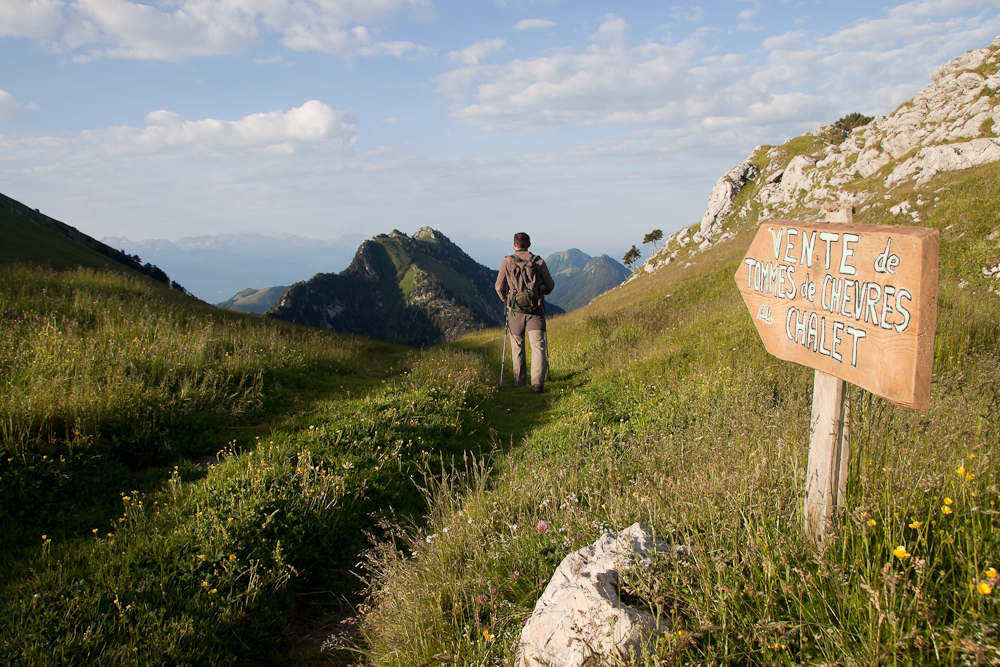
{"x": 506, "y": 273}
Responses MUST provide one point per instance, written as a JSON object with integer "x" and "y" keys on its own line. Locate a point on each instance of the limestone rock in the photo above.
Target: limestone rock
{"x": 721, "y": 199}
{"x": 580, "y": 614}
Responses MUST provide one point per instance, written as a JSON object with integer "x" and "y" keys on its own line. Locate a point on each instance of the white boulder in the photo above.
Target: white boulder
{"x": 580, "y": 616}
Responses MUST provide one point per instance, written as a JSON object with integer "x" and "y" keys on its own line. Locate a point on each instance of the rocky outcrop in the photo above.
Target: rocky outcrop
{"x": 723, "y": 194}
{"x": 581, "y": 615}
{"x": 950, "y": 125}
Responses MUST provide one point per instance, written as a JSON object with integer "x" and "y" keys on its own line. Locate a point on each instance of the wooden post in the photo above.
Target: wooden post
{"x": 829, "y": 451}
{"x": 829, "y": 441}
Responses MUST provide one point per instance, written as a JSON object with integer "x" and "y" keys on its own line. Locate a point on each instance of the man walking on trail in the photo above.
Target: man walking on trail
{"x": 522, "y": 284}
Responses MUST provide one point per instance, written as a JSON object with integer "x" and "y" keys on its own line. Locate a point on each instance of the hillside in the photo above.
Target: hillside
{"x": 31, "y": 236}
{"x": 580, "y": 278}
{"x": 413, "y": 290}
{"x": 883, "y": 169}
{"x": 254, "y": 300}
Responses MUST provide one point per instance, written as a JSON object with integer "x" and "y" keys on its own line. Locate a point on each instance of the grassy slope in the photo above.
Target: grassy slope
{"x": 663, "y": 408}
{"x": 25, "y": 241}
{"x": 675, "y": 416}
{"x": 117, "y": 549}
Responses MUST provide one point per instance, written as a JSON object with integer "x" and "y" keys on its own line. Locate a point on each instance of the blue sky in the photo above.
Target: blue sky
{"x": 585, "y": 123}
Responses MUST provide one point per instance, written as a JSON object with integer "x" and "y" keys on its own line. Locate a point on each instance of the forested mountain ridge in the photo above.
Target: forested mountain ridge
{"x": 414, "y": 290}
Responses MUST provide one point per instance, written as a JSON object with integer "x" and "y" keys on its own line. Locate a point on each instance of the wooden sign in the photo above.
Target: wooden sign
{"x": 858, "y": 302}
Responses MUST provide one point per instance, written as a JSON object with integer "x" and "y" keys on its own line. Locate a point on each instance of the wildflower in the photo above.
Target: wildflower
{"x": 900, "y": 552}
{"x": 516, "y": 575}
{"x": 872, "y": 522}
{"x": 984, "y": 589}
{"x": 916, "y": 524}
{"x": 948, "y": 501}
{"x": 213, "y": 591}
{"x": 542, "y": 527}
{"x": 232, "y": 556}
{"x": 960, "y": 471}
{"x": 945, "y": 509}
{"x": 991, "y": 573}
{"x": 969, "y": 477}
{"x": 487, "y": 636}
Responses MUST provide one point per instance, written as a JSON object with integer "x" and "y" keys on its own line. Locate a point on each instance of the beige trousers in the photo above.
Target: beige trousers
{"x": 533, "y": 326}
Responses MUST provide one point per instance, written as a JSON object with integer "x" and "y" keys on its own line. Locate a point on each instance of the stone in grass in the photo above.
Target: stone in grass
{"x": 580, "y": 615}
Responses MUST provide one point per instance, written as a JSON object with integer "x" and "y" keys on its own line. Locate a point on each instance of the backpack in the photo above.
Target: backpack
{"x": 524, "y": 296}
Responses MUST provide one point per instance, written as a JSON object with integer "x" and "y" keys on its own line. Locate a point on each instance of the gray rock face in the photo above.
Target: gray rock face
{"x": 721, "y": 199}
{"x": 580, "y": 614}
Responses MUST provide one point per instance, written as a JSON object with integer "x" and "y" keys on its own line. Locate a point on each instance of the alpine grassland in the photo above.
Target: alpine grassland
{"x": 181, "y": 485}
{"x": 667, "y": 410}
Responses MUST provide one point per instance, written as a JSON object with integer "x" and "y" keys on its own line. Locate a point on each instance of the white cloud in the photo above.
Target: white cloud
{"x": 799, "y": 79}
{"x": 746, "y": 20}
{"x": 533, "y": 24}
{"x": 172, "y": 31}
{"x": 472, "y": 54}
{"x": 310, "y": 126}
{"x": 31, "y": 18}
{"x": 11, "y": 108}
{"x": 687, "y": 13}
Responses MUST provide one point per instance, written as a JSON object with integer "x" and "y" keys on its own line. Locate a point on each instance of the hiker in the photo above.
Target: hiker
{"x": 522, "y": 283}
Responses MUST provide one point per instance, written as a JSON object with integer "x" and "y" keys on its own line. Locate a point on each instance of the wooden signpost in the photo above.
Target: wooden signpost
{"x": 858, "y": 303}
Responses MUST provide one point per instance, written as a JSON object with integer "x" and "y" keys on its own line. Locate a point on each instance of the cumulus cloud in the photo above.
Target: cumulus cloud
{"x": 31, "y": 18}
{"x": 800, "y": 79}
{"x": 533, "y": 24}
{"x": 687, "y": 13}
{"x": 472, "y": 54}
{"x": 310, "y": 126}
{"x": 11, "y": 108}
{"x": 172, "y": 31}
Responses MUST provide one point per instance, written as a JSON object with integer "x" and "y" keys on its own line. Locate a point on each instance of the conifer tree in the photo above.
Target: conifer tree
{"x": 653, "y": 237}
{"x": 631, "y": 257}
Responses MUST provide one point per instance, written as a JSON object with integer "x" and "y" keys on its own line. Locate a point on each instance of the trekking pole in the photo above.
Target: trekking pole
{"x": 548, "y": 355}
{"x": 503, "y": 358}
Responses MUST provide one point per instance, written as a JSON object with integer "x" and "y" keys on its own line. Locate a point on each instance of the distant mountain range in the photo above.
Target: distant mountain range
{"x": 580, "y": 278}
{"x": 414, "y": 290}
{"x": 214, "y": 268}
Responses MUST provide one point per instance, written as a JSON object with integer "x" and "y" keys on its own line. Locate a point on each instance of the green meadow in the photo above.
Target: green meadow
{"x": 181, "y": 485}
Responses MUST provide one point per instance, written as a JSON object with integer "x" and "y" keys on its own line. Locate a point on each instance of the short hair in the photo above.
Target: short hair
{"x": 522, "y": 240}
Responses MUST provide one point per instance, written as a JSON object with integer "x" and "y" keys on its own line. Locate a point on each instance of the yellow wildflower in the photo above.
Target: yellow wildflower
{"x": 872, "y": 522}
{"x": 916, "y": 524}
{"x": 900, "y": 552}
{"x": 946, "y": 509}
{"x": 991, "y": 573}
{"x": 948, "y": 501}
{"x": 984, "y": 589}
{"x": 960, "y": 471}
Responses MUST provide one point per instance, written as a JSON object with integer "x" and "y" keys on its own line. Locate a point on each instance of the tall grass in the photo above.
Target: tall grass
{"x": 682, "y": 421}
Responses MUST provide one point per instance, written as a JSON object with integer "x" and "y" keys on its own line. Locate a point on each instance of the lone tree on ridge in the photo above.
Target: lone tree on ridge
{"x": 631, "y": 257}
{"x": 653, "y": 237}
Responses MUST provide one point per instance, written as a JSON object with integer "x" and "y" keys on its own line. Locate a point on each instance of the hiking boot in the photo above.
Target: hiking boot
{"x": 538, "y": 388}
